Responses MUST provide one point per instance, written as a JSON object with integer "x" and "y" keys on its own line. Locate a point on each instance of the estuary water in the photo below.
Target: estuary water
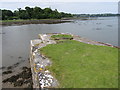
{"x": 16, "y": 39}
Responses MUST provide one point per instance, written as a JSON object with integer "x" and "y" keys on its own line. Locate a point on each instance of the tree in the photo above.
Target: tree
{"x": 37, "y": 9}
{"x": 33, "y": 13}
{"x": 29, "y": 12}
{"x": 0, "y": 14}
{"x": 37, "y": 13}
{"x": 6, "y": 14}
{"x": 47, "y": 10}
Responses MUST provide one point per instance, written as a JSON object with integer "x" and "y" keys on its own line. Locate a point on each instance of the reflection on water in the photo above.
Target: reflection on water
{"x": 16, "y": 39}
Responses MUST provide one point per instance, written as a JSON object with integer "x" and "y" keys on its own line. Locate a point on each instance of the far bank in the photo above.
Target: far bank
{"x": 39, "y": 21}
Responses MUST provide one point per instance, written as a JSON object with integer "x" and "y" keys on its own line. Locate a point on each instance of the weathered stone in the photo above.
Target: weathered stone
{"x": 39, "y": 62}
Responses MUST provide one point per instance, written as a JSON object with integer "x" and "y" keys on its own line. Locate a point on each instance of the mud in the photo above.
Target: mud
{"x": 22, "y": 78}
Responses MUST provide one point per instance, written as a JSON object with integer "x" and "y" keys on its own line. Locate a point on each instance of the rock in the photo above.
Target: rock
{"x": 10, "y": 67}
{"x": 7, "y": 72}
{"x": 43, "y": 77}
{"x": 19, "y": 83}
{"x": 2, "y": 67}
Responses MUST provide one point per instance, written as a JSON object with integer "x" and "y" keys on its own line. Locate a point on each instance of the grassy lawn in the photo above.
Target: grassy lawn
{"x": 80, "y": 65}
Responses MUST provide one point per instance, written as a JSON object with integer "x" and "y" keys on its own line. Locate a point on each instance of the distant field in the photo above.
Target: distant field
{"x": 80, "y": 65}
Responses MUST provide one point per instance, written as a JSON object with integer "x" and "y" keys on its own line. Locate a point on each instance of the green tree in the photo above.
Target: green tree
{"x": 29, "y": 12}
{"x": 0, "y": 14}
{"x": 33, "y": 13}
{"x": 37, "y": 13}
{"x": 24, "y": 15}
{"x": 6, "y": 14}
{"x": 47, "y": 10}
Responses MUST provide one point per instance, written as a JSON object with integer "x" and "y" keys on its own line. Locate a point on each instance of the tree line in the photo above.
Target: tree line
{"x": 32, "y": 13}
{"x": 96, "y": 15}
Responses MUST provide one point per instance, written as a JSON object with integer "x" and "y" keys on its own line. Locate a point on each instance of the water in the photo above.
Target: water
{"x": 16, "y": 39}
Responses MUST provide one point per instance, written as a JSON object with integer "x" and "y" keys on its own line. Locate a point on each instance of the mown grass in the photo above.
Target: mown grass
{"x": 80, "y": 65}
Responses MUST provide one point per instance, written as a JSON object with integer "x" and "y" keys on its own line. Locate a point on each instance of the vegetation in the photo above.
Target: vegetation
{"x": 96, "y": 15}
{"x": 33, "y": 13}
{"x": 21, "y": 79}
{"x": 80, "y": 65}
{"x": 61, "y": 36}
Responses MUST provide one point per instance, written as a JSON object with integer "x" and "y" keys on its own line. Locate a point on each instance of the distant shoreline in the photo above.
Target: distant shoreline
{"x": 42, "y": 21}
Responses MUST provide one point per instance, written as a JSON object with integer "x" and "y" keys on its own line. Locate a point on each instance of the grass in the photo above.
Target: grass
{"x": 19, "y": 20}
{"x": 12, "y": 20}
{"x": 61, "y": 36}
{"x": 80, "y": 65}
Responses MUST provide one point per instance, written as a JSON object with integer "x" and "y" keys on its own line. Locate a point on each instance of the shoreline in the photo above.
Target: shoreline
{"x": 19, "y": 77}
{"x": 42, "y": 21}
{"x": 93, "y": 42}
{"x": 87, "y": 41}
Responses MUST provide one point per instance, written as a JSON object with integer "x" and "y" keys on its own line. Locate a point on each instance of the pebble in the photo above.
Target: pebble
{"x": 46, "y": 71}
{"x": 46, "y": 79}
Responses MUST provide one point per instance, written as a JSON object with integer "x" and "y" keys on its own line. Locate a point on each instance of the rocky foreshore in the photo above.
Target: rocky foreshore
{"x": 17, "y": 76}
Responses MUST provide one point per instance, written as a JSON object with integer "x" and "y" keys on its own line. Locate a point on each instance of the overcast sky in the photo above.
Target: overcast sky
{"x": 59, "y": 0}
{"x": 71, "y": 6}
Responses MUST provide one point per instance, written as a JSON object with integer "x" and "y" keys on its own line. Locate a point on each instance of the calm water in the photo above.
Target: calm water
{"x": 16, "y": 39}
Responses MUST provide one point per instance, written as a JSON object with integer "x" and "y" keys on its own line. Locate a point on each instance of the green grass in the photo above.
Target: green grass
{"x": 80, "y": 65}
{"x": 24, "y": 20}
{"x": 61, "y": 36}
{"x": 12, "y": 20}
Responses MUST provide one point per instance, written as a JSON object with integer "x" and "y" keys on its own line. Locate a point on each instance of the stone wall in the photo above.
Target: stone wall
{"x": 42, "y": 78}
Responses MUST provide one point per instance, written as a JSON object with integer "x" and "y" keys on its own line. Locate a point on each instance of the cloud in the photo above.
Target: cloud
{"x": 59, "y": 0}
{"x": 69, "y": 7}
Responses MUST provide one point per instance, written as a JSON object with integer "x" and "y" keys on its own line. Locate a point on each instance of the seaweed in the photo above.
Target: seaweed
{"x": 25, "y": 77}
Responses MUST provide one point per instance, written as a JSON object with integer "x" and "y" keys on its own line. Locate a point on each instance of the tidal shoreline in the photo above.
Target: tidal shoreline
{"x": 17, "y": 76}
{"x": 42, "y": 21}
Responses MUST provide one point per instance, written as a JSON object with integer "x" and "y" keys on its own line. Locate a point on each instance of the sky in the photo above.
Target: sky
{"x": 59, "y": 0}
{"x": 68, "y": 6}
